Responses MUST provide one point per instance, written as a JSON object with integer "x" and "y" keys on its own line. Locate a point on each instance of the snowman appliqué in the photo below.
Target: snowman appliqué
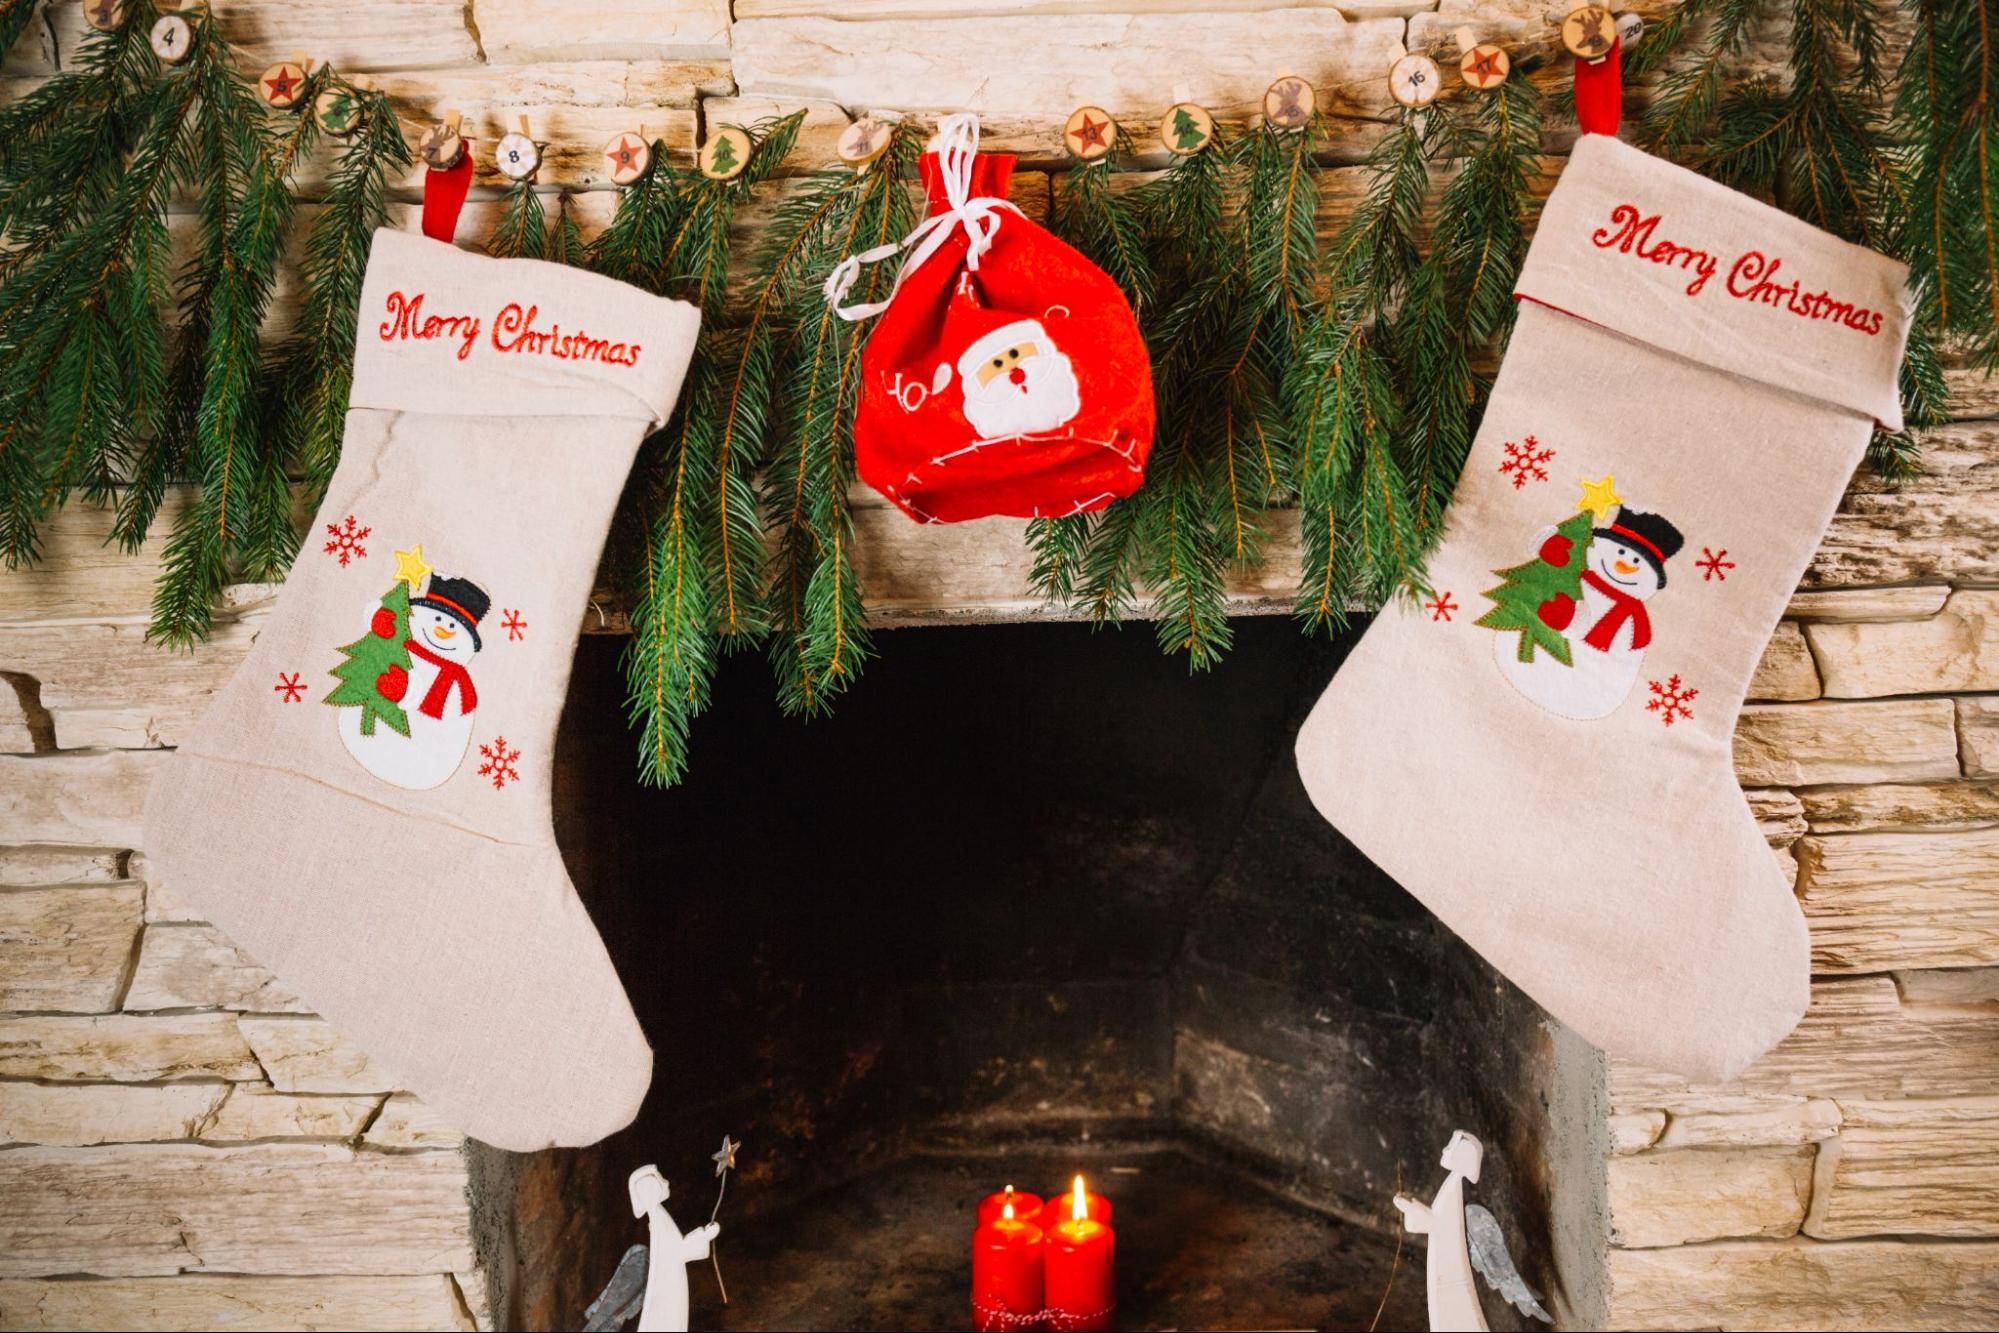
{"x": 1580, "y": 610}
{"x": 406, "y": 694}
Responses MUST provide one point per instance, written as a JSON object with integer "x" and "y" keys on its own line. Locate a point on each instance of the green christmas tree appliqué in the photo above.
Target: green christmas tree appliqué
{"x": 1187, "y": 131}
{"x": 367, "y": 658}
{"x": 725, "y": 155}
{"x": 1517, "y": 602}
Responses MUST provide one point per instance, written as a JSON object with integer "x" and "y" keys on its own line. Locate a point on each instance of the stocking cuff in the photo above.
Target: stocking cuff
{"x": 445, "y": 331}
{"x": 1675, "y": 260}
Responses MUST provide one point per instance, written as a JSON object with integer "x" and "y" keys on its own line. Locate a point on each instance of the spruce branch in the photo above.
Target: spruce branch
{"x": 522, "y": 231}
{"x": 565, "y": 241}
{"x": 312, "y": 370}
{"x": 241, "y": 169}
{"x": 821, "y": 638}
{"x": 1459, "y": 301}
{"x": 1356, "y": 513}
{"x": 703, "y": 571}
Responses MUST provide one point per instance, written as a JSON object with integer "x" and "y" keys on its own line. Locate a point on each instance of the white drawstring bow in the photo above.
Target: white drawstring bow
{"x": 957, "y": 149}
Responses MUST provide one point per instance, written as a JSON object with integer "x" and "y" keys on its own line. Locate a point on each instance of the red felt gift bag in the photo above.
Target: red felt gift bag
{"x": 1006, "y": 375}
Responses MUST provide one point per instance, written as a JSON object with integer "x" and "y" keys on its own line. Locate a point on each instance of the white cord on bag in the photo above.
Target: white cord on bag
{"x": 957, "y": 149}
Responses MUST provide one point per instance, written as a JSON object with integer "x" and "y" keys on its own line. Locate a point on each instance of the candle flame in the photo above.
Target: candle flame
{"x": 1007, "y": 1212}
{"x": 1078, "y": 1207}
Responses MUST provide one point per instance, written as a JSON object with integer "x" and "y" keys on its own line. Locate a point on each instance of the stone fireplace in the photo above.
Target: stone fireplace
{"x": 1034, "y": 901}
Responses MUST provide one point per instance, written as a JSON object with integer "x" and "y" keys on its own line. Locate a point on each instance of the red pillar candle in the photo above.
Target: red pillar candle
{"x": 1081, "y": 1267}
{"x": 1006, "y": 1273}
{"x": 1026, "y": 1207}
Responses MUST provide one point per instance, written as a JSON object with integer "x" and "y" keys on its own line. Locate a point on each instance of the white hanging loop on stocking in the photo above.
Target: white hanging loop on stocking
{"x": 957, "y": 150}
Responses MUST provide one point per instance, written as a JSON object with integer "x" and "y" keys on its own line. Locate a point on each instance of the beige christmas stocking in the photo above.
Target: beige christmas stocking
{"x": 365, "y": 808}
{"x": 1540, "y": 751}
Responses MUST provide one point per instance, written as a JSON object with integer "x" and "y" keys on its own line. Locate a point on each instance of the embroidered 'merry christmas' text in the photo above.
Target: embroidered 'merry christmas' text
{"x": 513, "y": 330}
{"x": 1752, "y": 276}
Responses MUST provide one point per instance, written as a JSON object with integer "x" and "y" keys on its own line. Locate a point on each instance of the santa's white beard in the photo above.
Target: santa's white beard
{"x": 1046, "y": 399}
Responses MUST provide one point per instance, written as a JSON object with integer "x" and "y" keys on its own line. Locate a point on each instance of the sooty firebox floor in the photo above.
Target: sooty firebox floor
{"x": 1197, "y": 1247}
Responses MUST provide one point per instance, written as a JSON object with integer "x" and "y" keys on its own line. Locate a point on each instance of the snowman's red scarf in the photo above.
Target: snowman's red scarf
{"x": 1623, "y": 607}
{"x": 449, "y": 673}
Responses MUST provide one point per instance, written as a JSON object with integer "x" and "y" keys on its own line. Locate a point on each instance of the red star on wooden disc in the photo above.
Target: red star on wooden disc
{"x": 622, "y": 153}
{"x": 1485, "y": 65}
{"x": 1090, "y": 134}
{"x": 281, "y": 86}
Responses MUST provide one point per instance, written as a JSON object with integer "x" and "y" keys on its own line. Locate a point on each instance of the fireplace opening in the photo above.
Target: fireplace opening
{"x": 1033, "y": 901}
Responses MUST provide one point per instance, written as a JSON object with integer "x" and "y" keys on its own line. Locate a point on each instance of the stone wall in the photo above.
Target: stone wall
{"x": 186, "y": 1149}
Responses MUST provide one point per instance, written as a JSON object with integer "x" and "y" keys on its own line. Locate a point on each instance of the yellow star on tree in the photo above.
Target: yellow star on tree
{"x": 1600, "y": 497}
{"x": 410, "y": 567}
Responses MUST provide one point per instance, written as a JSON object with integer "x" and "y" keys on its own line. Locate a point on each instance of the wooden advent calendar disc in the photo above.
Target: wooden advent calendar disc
{"x": 516, "y": 156}
{"x": 1415, "y": 80}
{"x": 626, "y": 158}
{"x": 338, "y": 111}
{"x": 864, "y": 141}
{"x": 170, "y": 38}
{"x": 1090, "y": 133}
{"x": 1186, "y": 128}
{"x": 1630, "y": 27}
{"x": 1485, "y": 66}
{"x": 104, "y": 15}
{"x": 282, "y": 84}
{"x": 441, "y": 146}
{"x": 1589, "y": 32}
{"x": 1289, "y": 103}
{"x": 725, "y": 154}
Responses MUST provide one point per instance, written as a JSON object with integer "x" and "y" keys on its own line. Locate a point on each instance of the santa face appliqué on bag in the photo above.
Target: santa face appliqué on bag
{"x": 1016, "y": 381}
{"x": 406, "y": 696}
{"x": 1579, "y": 607}
{"x": 1006, "y": 374}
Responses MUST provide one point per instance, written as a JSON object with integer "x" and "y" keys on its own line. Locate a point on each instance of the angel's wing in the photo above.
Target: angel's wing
{"x": 1495, "y": 1265}
{"x": 622, "y": 1295}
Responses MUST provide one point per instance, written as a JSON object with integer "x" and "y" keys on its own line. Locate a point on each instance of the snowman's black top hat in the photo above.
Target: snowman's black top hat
{"x": 461, "y": 599}
{"x": 1649, "y": 535}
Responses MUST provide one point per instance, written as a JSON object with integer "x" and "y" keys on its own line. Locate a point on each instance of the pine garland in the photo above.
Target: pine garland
{"x": 821, "y": 640}
{"x": 703, "y": 571}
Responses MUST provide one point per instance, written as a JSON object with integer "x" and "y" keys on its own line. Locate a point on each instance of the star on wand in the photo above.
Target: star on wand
{"x": 724, "y": 1159}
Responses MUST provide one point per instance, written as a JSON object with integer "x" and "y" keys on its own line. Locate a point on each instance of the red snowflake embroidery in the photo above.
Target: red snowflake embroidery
{"x": 346, "y": 540}
{"x": 499, "y": 765}
{"x": 1712, "y": 566}
{"x": 1526, "y": 461}
{"x": 1670, "y": 701}
{"x": 289, "y": 686}
{"x": 1440, "y": 606}
{"x": 512, "y": 623}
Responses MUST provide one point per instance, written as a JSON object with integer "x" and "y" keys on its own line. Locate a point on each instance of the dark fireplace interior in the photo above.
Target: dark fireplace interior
{"x": 1033, "y": 901}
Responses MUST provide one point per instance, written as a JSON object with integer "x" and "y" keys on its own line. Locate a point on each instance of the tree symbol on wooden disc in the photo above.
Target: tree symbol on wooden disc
{"x": 724, "y": 156}
{"x": 1186, "y": 128}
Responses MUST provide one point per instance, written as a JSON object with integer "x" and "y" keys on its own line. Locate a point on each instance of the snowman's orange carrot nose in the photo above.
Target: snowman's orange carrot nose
{"x": 1623, "y": 568}
{"x": 445, "y": 631}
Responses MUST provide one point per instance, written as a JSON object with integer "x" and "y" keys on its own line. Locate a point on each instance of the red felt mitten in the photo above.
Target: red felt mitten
{"x": 1007, "y": 375}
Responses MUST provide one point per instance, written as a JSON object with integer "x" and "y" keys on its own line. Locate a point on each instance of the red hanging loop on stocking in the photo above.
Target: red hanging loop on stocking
{"x": 444, "y": 197}
{"x": 1600, "y": 92}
